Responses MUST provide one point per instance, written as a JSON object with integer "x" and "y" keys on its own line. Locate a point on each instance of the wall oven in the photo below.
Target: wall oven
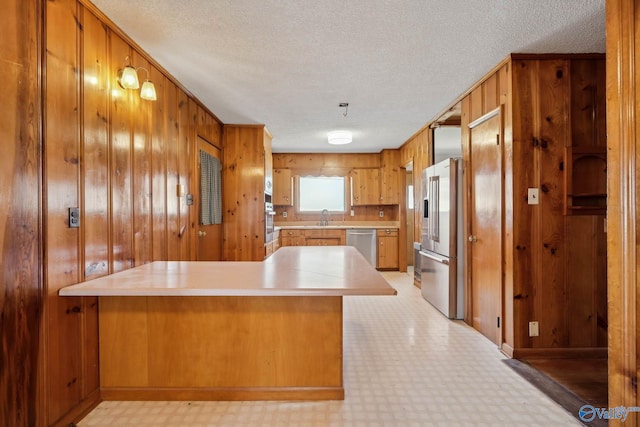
{"x": 269, "y": 215}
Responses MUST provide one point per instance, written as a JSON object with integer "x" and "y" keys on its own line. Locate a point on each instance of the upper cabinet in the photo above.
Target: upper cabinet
{"x": 390, "y": 177}
{"x": 378, "y": 186}
{"x": 282, "y": 187}
{"x": 365, "y": 187}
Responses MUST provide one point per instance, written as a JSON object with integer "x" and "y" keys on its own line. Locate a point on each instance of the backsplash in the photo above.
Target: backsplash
{"x": 361, "y": 213}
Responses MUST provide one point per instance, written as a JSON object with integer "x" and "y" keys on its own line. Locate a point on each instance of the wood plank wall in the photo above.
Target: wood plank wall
{"x": 623, "y": 109}
{"x": 120, "y": 160}
{"x": 316, "y": 164}
{"x": 20, "y": 217}
{"x": 554, "y": 264}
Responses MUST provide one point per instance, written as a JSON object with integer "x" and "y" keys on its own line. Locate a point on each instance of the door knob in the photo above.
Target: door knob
{"x": 201, "y": 233}
{"x": 473, "y": 239}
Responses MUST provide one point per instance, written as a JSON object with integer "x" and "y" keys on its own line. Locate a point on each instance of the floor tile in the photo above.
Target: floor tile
{"x": 404, "y": 365}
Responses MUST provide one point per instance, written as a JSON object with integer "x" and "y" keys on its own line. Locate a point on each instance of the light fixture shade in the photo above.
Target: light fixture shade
{"x": 129, "y": 78}
{"x": 148, "y": 91}
{"x": 340, "y": 137}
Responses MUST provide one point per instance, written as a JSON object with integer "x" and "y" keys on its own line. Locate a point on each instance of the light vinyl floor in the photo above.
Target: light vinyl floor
{"x": 404, "y": 365}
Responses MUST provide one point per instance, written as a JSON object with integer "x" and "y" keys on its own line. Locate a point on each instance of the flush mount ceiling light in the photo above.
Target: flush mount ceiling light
{"x": 128, "y": 79}
{"x": 340, "y": 137}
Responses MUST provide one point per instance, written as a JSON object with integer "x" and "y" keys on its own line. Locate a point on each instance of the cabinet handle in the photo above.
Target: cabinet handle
{"x": 473, "y": 239}
{"x": 201, "y": 233}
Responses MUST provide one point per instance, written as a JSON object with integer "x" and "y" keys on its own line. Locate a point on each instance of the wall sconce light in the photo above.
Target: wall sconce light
{"x": 128, "y": 79}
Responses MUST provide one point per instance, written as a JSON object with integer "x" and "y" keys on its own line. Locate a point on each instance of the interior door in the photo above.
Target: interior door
{"x": 209, "y": 231}
{"x": 485, "y": 231}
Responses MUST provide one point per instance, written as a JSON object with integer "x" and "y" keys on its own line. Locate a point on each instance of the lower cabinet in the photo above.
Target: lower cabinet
{"x": 292, "y": 238}
{"x": 323, "y": 241}
{"x": 314, "y": 237}
{"x": 388, "y": 249}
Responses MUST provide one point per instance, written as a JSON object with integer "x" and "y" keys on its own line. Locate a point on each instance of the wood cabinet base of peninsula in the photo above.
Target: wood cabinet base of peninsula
{"x": 221, "y": 348}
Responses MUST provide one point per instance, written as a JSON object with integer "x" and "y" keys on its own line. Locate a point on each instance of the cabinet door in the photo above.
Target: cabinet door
{"x": 388, "y": 249}
{"x": 323, "y": 241}
{"x": 282, "y": 187}
{"x": 365, "y": 187}
{"x": 390, "y": 184}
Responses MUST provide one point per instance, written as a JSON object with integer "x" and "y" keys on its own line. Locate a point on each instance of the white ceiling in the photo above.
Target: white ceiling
{"x": 289, "y": 63}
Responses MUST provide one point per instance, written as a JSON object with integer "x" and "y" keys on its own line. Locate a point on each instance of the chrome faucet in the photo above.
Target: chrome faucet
{"x": 324, "y": 217}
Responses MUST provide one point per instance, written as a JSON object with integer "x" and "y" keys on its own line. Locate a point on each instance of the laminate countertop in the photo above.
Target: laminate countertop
{"x": 335, "y": 227}
{"x": 290, "y": 271}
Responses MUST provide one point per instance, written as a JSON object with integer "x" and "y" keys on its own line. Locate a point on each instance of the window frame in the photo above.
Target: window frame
{"x": 315, "y": 212}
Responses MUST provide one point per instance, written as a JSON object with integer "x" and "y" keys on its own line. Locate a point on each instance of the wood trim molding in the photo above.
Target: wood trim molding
{"x": 491, "y": 114}
{"x": 558, "y": 353}
{"x": 623, "y": 24}
{"x": 224, "y": 394}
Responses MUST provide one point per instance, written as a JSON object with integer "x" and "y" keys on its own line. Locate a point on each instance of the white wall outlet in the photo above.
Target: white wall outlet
{"x": 381, "y": 213}
{"x": 532, "y": 196}
{"x": 284, "y": 214}
{"x": 534, "y": 329}
{"x": 353, "y": 212}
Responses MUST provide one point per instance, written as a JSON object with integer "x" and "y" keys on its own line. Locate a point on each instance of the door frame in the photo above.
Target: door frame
{"x": 467, "y": 204}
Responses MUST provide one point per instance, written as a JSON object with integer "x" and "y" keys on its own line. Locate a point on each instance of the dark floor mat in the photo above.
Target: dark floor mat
{"x": 557, "y": 392}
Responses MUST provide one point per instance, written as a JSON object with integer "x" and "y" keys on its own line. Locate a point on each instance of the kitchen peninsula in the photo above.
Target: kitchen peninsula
{"x": 271, "y": 330}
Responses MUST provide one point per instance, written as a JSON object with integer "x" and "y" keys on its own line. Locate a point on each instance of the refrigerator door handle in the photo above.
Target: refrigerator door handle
{"x": 440, "y": 259}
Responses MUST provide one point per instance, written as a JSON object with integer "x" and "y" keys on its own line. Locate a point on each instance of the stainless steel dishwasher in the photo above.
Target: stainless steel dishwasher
{"x": 364, "y": 240}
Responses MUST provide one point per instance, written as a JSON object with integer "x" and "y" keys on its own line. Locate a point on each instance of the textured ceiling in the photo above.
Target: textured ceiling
{"x": 288, "y": 63}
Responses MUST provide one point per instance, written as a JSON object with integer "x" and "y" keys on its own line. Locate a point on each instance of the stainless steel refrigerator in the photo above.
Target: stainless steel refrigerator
{"x": 442, "y": 255}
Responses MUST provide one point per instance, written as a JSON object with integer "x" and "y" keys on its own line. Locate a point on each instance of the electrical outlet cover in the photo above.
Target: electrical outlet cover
{"x": 381, "y": 214}
{"x": 284, "y": 214}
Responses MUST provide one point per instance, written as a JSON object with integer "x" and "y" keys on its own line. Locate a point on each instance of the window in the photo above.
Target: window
{"x": 410, "y": 197}
{"x": 321, "y": 192}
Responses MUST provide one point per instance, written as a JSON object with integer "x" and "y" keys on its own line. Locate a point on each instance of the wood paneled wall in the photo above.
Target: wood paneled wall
{"x": 96, "y": 147}
{"x": 20, "y": 217}
{"x": 623, "y": 110}
{"x": 554, "y": 264}
{"x": 316, "y": 164}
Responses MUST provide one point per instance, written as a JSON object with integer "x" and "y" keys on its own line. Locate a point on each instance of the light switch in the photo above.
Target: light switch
{"x": 534, "y": 329}
{"x": 532, "y": 197}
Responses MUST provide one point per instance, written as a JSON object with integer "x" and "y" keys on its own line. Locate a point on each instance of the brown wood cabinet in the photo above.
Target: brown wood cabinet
{"x": 322, "y": 241}
{"x": 390, "y": 177}
{"x": 387, "y": 249}
{"x": 379, "y": 186}
{"x": 246, "y": 149}
{"x": 313, "y": 237}
{"x": 292, "y": 238}
{"x": 282, "y": 187}
{"x": 365, "y": 187}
